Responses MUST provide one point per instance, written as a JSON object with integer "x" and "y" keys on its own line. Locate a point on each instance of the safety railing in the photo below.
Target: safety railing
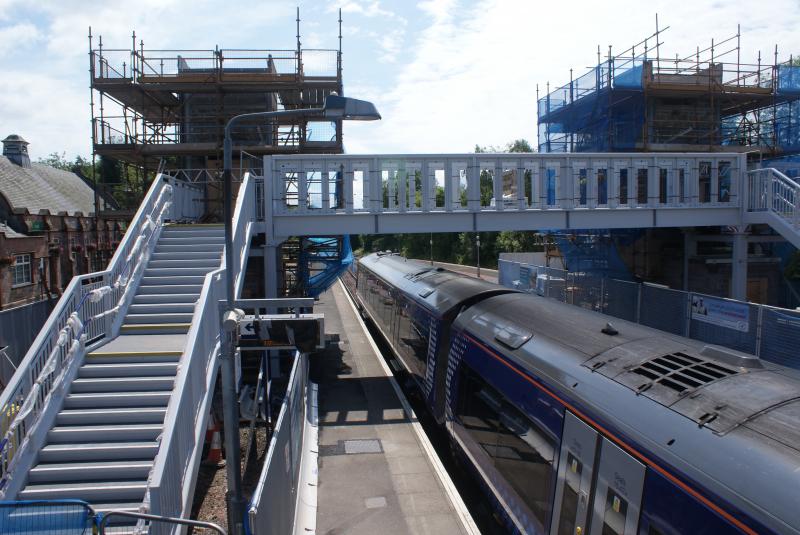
{"x": 769, "y": 190}
{"x": 137, "y": 65}
{"x": 120, "y": 130}
{"x": 768, "y": 332}
{"x": 175, "y": 463}
{"x": 274, "y": 502}
{"x": 89, "y": 312}
{"x": 304, "y": 184}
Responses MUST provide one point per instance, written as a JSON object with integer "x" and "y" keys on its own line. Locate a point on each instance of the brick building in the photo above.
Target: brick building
{"x": 48, "y": 228}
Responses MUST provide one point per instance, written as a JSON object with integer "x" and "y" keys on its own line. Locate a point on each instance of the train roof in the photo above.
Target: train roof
{"x": 438, "y": 289}
{"x": 728, "y": 419}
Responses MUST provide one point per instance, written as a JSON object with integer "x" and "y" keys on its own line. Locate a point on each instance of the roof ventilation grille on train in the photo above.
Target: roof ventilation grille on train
{"x": 681, "y": 372}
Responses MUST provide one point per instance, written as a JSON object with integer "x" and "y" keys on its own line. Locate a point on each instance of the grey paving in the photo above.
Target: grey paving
{"x": 394, "y": 489}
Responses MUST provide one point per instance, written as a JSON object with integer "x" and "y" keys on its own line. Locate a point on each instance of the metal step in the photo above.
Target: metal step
{"x": 191, "y": 240}
{"x": 173, "y": 280}
{"x": 161, "y": 308}
{"x": 175, "y": 232}
{"x": 208, "y": 249}
{"x": 109, "y": 433}
{"x": 171, "y": 289}
{"x": 113, "y": 451}
{"x": 142, "y": 415}
{"x": 146, "y": 299}
{"x": 117, "y": 400}
{"x": 126, "y": 357}
{"x": 171, "y": 317}
{"x": 207, "y": 262}
{"x": 176, "y": 271}
{"x": 155, "y": 328}
{"x": 89, "y": 471}
{"x": 123, "y": 384}
{"x": 131, "y": 369}
{"x": 107, "y": 490}
{"x": 188, "y": 254}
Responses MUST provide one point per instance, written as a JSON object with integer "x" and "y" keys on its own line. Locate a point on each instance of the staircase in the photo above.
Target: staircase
{"x": 103, "y": 444}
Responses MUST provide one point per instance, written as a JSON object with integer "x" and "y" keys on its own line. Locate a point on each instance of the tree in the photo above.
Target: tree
{"x": 457, "y": 247}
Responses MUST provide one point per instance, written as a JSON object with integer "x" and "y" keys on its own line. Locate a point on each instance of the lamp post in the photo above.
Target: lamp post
{"x": 478, "y": 253}
{"x": 335, "y": 108}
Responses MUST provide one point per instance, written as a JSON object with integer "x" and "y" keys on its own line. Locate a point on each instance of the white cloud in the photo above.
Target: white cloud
{"x": 18, "y": 36}
{"x": 470, "y": 77}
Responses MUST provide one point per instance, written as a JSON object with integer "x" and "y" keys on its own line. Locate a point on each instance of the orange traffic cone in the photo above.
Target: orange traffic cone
{"x": 214, "y": 456}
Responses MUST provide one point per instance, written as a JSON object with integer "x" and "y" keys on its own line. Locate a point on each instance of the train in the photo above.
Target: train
{"x": 576, "y": 423}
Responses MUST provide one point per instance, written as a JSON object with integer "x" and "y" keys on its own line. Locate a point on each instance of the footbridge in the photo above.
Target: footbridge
{"x": 110, "y": 403}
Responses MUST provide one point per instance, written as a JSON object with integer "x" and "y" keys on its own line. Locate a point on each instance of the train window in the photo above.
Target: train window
{"x": 615, "y": 512}
{"x": 478, "y": 405}
{"x": 569, "y": 502}
{"x": 522, "y": 453}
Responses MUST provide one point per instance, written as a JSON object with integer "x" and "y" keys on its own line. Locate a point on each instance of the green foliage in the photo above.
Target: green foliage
{"x": 457, "y": 248}
{"x": 125, "y": 183}
{"x": 792, "y": 271}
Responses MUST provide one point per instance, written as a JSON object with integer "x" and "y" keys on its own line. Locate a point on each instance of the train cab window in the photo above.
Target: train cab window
{"x": 616, "y": 511}
{"x": 520, "y": 450}
{"x": 569, "y": 503}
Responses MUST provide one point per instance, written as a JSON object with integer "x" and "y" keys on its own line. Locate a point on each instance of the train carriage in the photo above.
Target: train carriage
{"x": 576, "y": 426}
{"x": 414, "y": 304}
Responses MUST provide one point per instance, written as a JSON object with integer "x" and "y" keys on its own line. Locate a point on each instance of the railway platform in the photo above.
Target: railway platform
{"x": 378, "y": 473}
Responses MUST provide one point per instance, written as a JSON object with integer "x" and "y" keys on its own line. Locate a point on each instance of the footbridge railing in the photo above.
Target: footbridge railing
{"x": 340, "y": 194}
{"x": 89, "y": 312}
{"x": 774, "y": 199}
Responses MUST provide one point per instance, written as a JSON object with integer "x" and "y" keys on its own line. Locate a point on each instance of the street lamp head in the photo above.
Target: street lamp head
{"x": 337, "y": 107}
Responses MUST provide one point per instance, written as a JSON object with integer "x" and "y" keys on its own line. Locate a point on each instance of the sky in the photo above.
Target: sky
{"x": 445, "y": 74}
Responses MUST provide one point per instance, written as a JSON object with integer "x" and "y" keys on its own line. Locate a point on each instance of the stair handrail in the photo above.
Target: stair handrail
{"x": 772, "y": 191}
{"x": 168, "y": 492}
{"x": 82, "y": 317}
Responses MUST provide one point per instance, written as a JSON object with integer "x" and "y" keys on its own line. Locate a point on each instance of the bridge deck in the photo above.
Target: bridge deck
{"x": 377, "y": 472}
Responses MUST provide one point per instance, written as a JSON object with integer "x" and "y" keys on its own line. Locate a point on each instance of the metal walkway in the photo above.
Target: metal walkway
{"x": 384, "y": 194}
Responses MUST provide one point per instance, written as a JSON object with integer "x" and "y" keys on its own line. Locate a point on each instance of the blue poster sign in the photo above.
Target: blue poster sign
{"x": 722, "y": 312}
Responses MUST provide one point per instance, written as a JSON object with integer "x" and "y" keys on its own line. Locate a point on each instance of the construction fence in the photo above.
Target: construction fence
{"x": 771, "y": 333}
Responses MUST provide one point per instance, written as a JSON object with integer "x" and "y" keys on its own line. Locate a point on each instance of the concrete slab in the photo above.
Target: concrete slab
{"x": 394, "y": 489}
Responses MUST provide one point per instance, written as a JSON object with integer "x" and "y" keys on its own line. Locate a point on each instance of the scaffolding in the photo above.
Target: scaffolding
{"x": 641, "y": 100}
{"x": 166, "y": 110}
{"x": 148, "y": 105}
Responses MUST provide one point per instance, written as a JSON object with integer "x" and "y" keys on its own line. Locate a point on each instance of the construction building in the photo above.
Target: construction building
{"x": 156, "y": 110}
{"x": 642, "y": 100}
{"x": 706, "y": 101}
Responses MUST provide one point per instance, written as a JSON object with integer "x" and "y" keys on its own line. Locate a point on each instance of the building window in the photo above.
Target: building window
{"x": 21, "y": 270}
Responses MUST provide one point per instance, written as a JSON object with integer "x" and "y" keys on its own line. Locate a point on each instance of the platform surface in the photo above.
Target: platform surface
{"x": 375, "y": 476}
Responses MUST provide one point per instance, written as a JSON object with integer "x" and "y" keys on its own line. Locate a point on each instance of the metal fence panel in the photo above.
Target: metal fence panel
{"x": 555, "y": 283}
{"x": 527, "y": 277}
{"x": 45, "y": 517}
{"x": 780, "y": 337}
{"x": 768, "y": 332}
{"x": 272, "y": 507}
{"x": 507, "y": 272}
{"x": 19, "y": 327}
{"x": 727, "y": 336}
{"x": 665, "y": 309}
{"x": 620, "y": 299}
{"x": 586, "y": 290}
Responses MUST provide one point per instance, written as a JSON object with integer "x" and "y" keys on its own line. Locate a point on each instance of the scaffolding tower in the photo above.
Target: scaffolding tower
{"x": 641, "y": 100}
{"x": 156, "y": 110}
